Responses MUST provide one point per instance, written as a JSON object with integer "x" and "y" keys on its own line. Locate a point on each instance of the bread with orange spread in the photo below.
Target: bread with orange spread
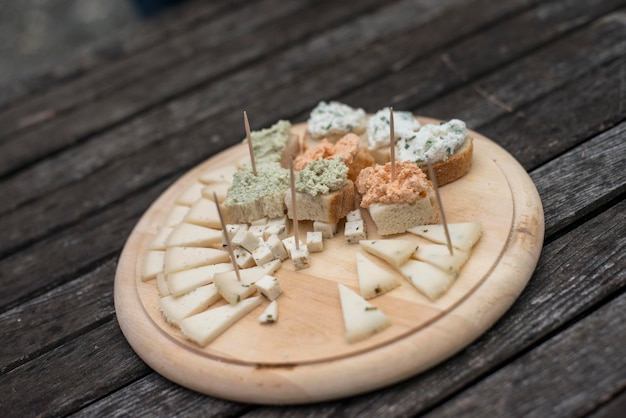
{"x": 399, "y": 203}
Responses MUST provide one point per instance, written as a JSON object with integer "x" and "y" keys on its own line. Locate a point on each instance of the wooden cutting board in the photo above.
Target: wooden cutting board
{"x": 304, "y": 356}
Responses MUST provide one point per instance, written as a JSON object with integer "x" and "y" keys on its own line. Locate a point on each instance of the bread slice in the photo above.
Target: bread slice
{"x": 455, "y": 167}
{"x": 329, "y": 207}
{"x": 447, "y": 171}
{"x": 396, "y": 218}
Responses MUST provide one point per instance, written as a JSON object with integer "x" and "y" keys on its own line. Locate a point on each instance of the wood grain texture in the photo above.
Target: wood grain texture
{"x": 305, "y": 349}
{"x": 568, "y": 374}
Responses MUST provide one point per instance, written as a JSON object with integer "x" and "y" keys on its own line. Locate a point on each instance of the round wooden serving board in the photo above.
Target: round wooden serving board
{"x": 304, "y": 356}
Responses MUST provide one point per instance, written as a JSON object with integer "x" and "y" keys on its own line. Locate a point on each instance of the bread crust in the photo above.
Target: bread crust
{"x": 329, "y": 208}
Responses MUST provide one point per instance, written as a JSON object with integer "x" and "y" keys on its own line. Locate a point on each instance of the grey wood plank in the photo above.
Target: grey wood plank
{"x": 567, "y": 376}
{"x": 120, "y": 45}
{"x": 191, "y": 74}
{"x": 583, "y": 179}
{"x": 72, "y": 375}
{"x": 43, "y": 322}
{"x": 52, "y": 172}
{"x": 612, "y": 408}
{"x": 53, "y": 261}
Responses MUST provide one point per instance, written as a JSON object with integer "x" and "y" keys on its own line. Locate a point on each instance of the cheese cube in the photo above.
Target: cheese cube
{"x": 276, "y": 229}
{"x": 231, "y": 230}
{"x": 314, "y": 241}
{"x": 290, "y": 244}
{"x": 270, "y": 314}
{"x": 354, "y": 231}
{"x": 328, "y": 230}
{"x": 232, "y": 289}
{"x": 354, "y": 215}
{"x": 243, "y": 258}
{"x": 245, "y": 239}
{"x": 262, "y": 255}
{"x": 258, "y": 231}
{"x": 269, "y": 287}
{"x": 279, "y": 252}
{"x": 300, "y": 257}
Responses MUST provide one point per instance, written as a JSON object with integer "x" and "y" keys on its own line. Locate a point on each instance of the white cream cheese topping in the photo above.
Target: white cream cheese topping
{"x": 335, "y": 119}
{"x": 404, "y": 125}
{"x": 432, "y": 143}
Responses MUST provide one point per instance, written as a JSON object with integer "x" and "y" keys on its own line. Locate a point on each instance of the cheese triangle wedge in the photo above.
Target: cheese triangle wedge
{"x": 394, "y": 251}
{"x": 373, "y": 279}
{"x": 439, "y": 256}
{"x": 270, "y": 314}
{"x": 176, "y": 308}
{"x": 428, "y": 279}
{"x": 204, "y": 213}
{"x": 190, "y": 235}
{"x": 361, "y": 319}
{"x": 463, "y": 235}
{"x": 206, "y": 326}
{"x": 185, "y": 258}
{"x": 185, "y": 281}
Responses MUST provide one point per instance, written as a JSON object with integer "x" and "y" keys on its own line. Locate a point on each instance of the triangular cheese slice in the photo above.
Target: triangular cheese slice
{"x": 361, "y": 319}
{"x": 231, "y": 289}
{"x": 220, "y": 190}
{"x": 217, "y": 175}
{"x": 185, "y": 258}
{"x": 270, "y": 314}
{"x": 439, "y": 256}
{"x": 160, "y": 239}
{"x": 164, "y": 289}
{"x": 185, "y": 281}
{"x": 208, "y": 325}
{"x": 190, "y": 235}
{"x": 428, "y": 279}
{"x": 177, "y": 214}
{"x": 191, "y": 195}
{"x": 463, "y": 235}
{"x": 204, "y": 213}
{"x": 176, "y": 308}
{"x": 394, "y": 251}
{"x": 373, "y": 279}
{"x": 152, "y": 264}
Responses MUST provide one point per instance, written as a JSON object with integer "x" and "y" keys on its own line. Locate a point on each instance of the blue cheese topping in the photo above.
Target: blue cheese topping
{"x": 432, "y": 143}
{"x": 404, "y": 125}
{"x": 334, "y": 120}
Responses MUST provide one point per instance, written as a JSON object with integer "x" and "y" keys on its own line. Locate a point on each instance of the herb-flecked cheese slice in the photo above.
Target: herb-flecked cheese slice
{"x": 394, "y": 251}
{"x": 361, "y": 319}
{"x": 428, "y": 279}
{"x": 462, "y": 235}
{"x": 373, "y": 279}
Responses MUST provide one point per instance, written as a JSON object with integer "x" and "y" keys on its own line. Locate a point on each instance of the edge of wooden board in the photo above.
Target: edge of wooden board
{"x": 361, "y": 372}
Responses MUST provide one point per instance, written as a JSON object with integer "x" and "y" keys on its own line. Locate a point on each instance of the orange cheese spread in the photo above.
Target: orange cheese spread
{"x": 375, "y": 185}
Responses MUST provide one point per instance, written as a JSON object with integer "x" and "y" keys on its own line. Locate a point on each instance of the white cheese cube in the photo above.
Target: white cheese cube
{"x": 243, "y": 258}
{"x": 328, "y": 230}
{"x": 152, "y": 264}
{"x": 354, "y": 215}
{"x": 258, "y": 231}
{"x": 231, "y": 288}
{"x": 276, "y": 229}
{"x": 275, "y": 245}
{"x": 354, "y": 231}
{"x": 270, "y": 314}
{"x": 262, "y": 255}
{"x": 314, "y": 241}
{"x": 231, "y": 230}
{"x": 204, "y": 327}
{"x": 269, "y": 287}
{"x": 300, "y": 257}
{"x": 290, "y": 244}
{"x": 245, "y": 239}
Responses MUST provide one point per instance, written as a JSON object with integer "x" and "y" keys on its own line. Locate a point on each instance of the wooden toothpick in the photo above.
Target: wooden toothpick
{"x": 433, "y": 178}
{"x": 294, "y": 211}
{"x": 227, "y": 238}
{"x": 249, "y": 139}
{"x": 392, "y": 143}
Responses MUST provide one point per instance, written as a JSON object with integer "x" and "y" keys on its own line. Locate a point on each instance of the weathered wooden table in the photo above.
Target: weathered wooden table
{"x": 85, "y": 149}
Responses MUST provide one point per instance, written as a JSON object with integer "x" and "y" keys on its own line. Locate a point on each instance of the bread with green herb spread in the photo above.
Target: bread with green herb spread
{"x": 323, "y": 192}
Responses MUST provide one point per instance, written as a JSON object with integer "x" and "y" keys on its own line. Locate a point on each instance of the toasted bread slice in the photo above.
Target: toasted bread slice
{"x": 396, "y": 218}
{"x": 329, "y": 207}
